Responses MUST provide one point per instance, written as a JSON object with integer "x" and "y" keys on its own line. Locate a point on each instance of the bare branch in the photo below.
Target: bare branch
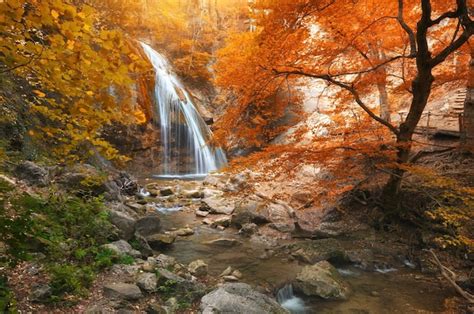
{"x": 461, "y": 40}
{"x": 448, "y": 275}
{"x": 407, "y": 29}
{"x": 345, "y": 86}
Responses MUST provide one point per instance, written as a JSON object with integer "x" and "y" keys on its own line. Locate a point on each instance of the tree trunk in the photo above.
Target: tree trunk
{"x": 383, "y": 101}
{"x": 421, "y": 91}
{"x": 468, "y": 116}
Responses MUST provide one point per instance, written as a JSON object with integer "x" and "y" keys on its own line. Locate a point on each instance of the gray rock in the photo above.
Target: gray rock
{"x": 198, "y": 268}
{"x": 248, "y": 229}
{"x": 236, "y": 273}
{"x": 322, "y": 280}
{"x": 249, "y": 211}
{"x": 315, "y": 251}
{"x": 149, "y": 265}
{"x": 165, "y": 261}
{"x": 193, "y": 194}
{"x": 217, "y": 205}
{"x": 239, "y": 298}
{"x": 201, "y": 213}
{"x": 167, "y": 191}
{"x": 221, "y": 221}
{"x": 156, "y": 308}
{"x": 122, "y": 248}
{"x": 283, "y": 227}
{"x": 230, "y": 278}
{"x": 112, "y": 191}
{"x": 122, "y": 291}
{"x": 147, "y": 282}
{"x": 145, "y": 248}
{"x": 224, "y": 242}
{"x": 226, "y": 272}
{"x": 137, "y": 208}
{"x": 148, "y": 225}
{"x": 184, "y": 232}
{"x": 124, "y": 223}
{"x": 172, "y": 305}
{"x": 41, "y": 293}
{"x": 158, "y": 241}
{"x": 164, "y": 273}
{"x": 74, "y": 179}
{"x": 32, "y": 173}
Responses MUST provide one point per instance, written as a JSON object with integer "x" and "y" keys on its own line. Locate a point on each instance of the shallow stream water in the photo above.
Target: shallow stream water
{"x": 397, "y": 291}
{"x": 388, "y": 290}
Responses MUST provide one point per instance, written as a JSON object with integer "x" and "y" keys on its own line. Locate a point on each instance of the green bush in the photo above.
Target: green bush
{"x": 7, "y": 300}
{"x": 68, "y": 230}
{"x": 70, "y": 279}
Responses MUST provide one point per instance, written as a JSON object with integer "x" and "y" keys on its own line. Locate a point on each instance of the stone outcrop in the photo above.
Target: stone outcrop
{"x": 239, "y": 298}
{"x": 322, "y": 280}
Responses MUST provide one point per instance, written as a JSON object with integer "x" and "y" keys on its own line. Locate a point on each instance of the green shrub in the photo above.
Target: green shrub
{"x": 70, "y": 279}
{"x": 68, "y": 230}
{"x": 7, "y": 300}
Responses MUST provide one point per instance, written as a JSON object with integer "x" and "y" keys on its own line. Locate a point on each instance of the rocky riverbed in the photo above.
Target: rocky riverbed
{"x": 217, "y": 246}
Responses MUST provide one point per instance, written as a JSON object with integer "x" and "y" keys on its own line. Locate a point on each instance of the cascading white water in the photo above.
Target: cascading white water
{"x": 184, "y": 134}
{"x": 289, "y": 301}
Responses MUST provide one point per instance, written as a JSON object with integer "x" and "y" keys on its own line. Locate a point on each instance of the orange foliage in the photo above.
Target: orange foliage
{"x": 349, "y": 42}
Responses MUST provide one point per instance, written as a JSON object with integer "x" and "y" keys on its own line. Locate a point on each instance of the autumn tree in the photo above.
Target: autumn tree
{"x": 78, "y": 70}
{"x": 357, "y": 47}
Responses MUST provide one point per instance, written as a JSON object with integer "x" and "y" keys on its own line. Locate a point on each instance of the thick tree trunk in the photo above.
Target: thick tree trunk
{"x": 468, "y": 117}
{"x": 421, "y": 92}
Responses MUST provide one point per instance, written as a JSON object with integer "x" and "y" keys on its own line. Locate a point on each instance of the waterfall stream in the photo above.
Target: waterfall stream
{"x": 289, "y": 301}
{"x": 184, "y": 134}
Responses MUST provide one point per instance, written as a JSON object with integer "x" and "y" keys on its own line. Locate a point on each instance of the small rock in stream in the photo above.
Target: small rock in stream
{"x": 158, "y": 241}
{"x": 230, "y": 278}
{"x": 323, "y": 280}
{"x": 198, "y": 268}
{"x": 184, "y": 232}
{"x": 167, "y": 191}
{"x": 224, "y": 242}
{"x": 226, "y": 272}
{"x": 201, "y": 213}
{"x": 237, "y": 274}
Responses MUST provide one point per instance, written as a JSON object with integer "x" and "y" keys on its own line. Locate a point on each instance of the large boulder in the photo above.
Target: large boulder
{"x": 250, "y": 211}
{"x": 325, "y": 222}
{"x": 161, "y": 240}
{"x": 122, "y": 291}
{"x": 83, "y": 177}
{"x": 122, "y": 248}
{"x": 32, "y": 173}
{"x": 148, "y": 225}
{"x": 279, "y": 215}
{"x": 312, "y": 252}
{"x": 123, "y": 221}
{"x": 217, "y": 205}
{"x": 239, "y": 298}
{"x": 147, "y": 282}
{"x": 322, "y": 280}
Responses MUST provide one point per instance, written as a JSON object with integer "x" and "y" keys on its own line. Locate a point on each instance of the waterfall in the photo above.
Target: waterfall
{"x": 184, "y": 134}
{"x": 289, "y": 301}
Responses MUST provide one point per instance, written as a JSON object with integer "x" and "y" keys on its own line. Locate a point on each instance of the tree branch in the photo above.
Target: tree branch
{"x": 448, "y": 275}
{"x": 407, "y": 29}
{"x": 345, "y": 86}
